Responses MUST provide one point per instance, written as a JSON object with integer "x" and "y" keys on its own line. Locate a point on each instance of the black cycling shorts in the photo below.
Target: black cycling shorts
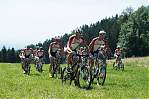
{"x": 53, "y": 54}
{"x": 27, "y": 56}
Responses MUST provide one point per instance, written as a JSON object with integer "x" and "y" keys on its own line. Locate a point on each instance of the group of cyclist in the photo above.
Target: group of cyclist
{"x": 76, "y": 43}
{"x": 27, "y": 55}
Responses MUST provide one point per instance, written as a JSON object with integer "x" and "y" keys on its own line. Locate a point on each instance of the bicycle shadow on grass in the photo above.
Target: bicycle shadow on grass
{"x": 86, "y": 88}
{"x": 116, "y": 85}
{"x": 35, "y": 74}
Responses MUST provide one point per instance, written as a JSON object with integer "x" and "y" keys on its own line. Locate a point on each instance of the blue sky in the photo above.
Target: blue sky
{"x": 24, "y": 22}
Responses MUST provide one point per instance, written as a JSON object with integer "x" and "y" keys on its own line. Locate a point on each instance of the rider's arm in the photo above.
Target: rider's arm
{"x": 21, "y": 55}
{"x": 69, "y": 43}
{"x": 90, "y": 47}
{"x": 49, "y": 51}
{"x": 115, "y": 55}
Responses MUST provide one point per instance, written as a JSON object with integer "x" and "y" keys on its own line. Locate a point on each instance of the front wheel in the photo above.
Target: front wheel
{"x": 114, "y": 65}
{"x": 39, "y": 67}
{"x": 101, "y": 77}
{"x": 65, "y": 76}
{"x": 27, "y": 69}
{"x": 83, "y": 77}
{"x": 122, "y": 66}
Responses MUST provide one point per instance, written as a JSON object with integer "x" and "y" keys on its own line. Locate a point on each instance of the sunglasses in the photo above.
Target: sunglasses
{"x": 101, "y": 34}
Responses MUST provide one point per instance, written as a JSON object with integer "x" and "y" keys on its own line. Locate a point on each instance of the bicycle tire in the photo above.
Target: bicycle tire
{"x": 101, "y": 76}
{"x": 85, "y": 81}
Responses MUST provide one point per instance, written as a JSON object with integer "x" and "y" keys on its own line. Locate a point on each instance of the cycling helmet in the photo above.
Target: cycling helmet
{"x": 118, "y": 46}
{"x": 102, "y": 32}
{"x": 81, "y": 48}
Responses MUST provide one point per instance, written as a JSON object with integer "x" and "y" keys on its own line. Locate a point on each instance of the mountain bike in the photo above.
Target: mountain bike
{"x": 39, "y": 64}
{"x": 84, "y": 75}
{"x": 99, "y": 70}
{"x": 118, "y": 64}
{"x": 26, "y": 66}
{"x": 56, "y": 70}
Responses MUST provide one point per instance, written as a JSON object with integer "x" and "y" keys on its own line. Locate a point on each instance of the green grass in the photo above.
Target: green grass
{"x": 132, "y": 83}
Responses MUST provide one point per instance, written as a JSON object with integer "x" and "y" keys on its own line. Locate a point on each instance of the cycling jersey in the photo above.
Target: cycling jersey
{"x": 40, "y": 53}
{"x": 54, "y": 47}
{"x": 73, "y": 43}
{"x": 118, "y": 51}
{"x": 27, "y": 53}
{"x": 96, "y": 44}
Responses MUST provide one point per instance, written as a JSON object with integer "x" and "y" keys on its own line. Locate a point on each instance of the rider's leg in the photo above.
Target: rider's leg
{"x": 23, "y": 65}
{"x": 51, "y": 64}
{"x": 69, "y": 61}
{"x": 116, "y": 61}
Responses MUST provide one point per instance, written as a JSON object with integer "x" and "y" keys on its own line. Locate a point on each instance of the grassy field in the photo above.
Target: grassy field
{"x": 132, "y": 83}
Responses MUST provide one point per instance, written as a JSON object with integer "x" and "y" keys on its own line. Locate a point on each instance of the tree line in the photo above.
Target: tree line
{"x": 9, "y": 55}
{"x": 130, "y": 30}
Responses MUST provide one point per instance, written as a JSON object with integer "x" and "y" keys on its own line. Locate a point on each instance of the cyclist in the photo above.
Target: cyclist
{"x": 28, "y": 54}
{"x": 73, "y": 45}
{"x": 96, "y": 44}
{"x": 108, "y": 50}
{"x": 39, "y": 54}
{"x": 54, "y": 49}
{"x": 22, "y": 57}
{"x": 118, "y": 53}
{"x": 21, "y": 54}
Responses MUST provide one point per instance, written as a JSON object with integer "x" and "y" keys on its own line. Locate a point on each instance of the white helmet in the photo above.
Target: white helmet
{"x": 102, "y": 32}
{"x": 118, "y": 46}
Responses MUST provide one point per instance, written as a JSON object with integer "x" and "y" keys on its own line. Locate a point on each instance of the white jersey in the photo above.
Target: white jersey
{"x": 98, "y": 44}
{"x": 28, "y": 52}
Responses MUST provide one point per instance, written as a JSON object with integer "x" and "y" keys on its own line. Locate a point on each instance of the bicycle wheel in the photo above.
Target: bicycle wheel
{"x": 58, "y": 70}
{"x": 122, "y": 66}
{"x": 83, "y": 77}
{"x": 53, "y": 70}
{"x": 114, "y": 66}
{"x": 39, "y": 66}
{"x": 27, "y": 69}
{"x": 101, "y": 76}
{"x": 65, "y": 76}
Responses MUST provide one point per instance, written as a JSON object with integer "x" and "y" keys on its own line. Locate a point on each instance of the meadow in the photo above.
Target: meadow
{"x": 132, "y": 83}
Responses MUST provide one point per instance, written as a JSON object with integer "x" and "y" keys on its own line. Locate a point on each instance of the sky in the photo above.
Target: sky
{"x": 24, "y": 22}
